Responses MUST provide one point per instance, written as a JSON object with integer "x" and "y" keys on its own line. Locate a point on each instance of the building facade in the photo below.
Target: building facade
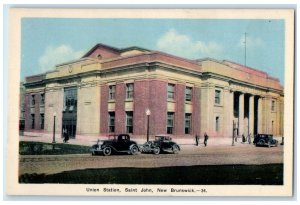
{"x": 108, "y": 91}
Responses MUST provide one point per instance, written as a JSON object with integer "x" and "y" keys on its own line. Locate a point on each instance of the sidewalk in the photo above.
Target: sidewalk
{"x": 90, "y": 140}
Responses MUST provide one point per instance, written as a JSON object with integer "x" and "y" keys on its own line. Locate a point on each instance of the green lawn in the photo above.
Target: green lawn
{"x": 270, "y": 174}
{"x": 39, "y": 148}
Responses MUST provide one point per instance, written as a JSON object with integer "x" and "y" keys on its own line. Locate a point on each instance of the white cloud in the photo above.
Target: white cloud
{"x": 56, "y": 55}
{"x": 182, "y": 45}
{"x": 251, "y": 41}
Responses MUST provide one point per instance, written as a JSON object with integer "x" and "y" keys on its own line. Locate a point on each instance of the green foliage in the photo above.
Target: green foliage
{"x": 268, "y": 174}
{"x": 39, "y": 148}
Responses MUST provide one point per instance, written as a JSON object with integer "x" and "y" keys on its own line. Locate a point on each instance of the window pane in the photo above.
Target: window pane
{"x": 129, "y": 90}
{"x": 170, "y": 122}
{"x": 129, "y": 122}
{"x": 217, "y": 96}
{"x": 171, "y": 91}
{"x": 188, "y": 118}
{"x": 188, "y": 94}
{"x": 112, "y": 90}
{"x": 217, "y": 124}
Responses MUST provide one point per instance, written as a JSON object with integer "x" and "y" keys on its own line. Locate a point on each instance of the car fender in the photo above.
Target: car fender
{"x": 112, "y": 147}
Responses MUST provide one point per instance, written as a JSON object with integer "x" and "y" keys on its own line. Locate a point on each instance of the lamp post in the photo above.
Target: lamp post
{"x": 148, "y": 113}
{"x": 233, "y": 132}
{"x": 54, "y": 116}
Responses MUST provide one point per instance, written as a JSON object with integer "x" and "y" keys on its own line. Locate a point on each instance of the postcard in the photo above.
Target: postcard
{"x": 150, "y": 102}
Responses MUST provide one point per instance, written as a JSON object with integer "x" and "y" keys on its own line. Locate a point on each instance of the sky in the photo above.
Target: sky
{"x": 46, "y": 42}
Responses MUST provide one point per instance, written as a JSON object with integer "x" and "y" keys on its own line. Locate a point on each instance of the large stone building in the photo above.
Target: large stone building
{"x": 108, "y": 91}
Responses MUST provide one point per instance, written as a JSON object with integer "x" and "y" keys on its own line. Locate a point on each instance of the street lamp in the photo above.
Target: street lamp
{"x": 54, "y": 116}
{"x": 148, "y": 113}
{"x": 233, "y": 132}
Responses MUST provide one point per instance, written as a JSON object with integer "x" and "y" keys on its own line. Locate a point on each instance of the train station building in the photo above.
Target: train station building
{"x": 109, "y": 90}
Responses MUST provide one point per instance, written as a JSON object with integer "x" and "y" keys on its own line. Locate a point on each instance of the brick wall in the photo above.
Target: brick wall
{"x": 36, "y": 108}
{"x": 179, "y": 110}
{"x": 120, "y": 116}
{"x": 158, "y": 107}
{"x": 141, "y": 97}
{"x": 103, "y": 109}
{"x": 196, "y": 111}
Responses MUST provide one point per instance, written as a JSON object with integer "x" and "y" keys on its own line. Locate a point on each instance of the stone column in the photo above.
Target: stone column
{"x": 207, "y": 104}
{"x": 267, "y": 115}
{"x": 228, "y": 113}
{"x": 241, "y": 114}
{"x": 251, "y": 115}
{"x": 259, "y": 116}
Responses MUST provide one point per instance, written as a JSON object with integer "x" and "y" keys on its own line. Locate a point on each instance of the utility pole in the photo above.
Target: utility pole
{"x": 245, "y": 49}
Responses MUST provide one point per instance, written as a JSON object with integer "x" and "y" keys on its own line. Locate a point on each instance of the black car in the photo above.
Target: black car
{"x": 265, "y": 140}
{"x": 118, "y": 144}
{"x": 161, "y": 143}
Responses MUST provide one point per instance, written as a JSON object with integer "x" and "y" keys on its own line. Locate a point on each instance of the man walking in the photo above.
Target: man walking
{"x": 249, "y": 138}
{"x": 197, "y": 140}
{"x": 205, "y": 139}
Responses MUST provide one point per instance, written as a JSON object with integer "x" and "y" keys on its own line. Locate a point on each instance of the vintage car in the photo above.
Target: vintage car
{"x": 161, "y": 144}
{"x": 117, "y": 144}
{"x": 265, "y": 140}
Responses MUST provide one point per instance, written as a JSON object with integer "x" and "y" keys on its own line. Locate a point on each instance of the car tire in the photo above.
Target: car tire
{"x": 107, "y": 151}
{"x": 175, "y": 149}
{"x": 260, "y": 142}
{"x": 134, "y": 150}
{"x": 156, "y": 150}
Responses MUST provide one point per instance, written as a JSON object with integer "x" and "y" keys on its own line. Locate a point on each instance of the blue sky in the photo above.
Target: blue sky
{"x": 50, "y": 41}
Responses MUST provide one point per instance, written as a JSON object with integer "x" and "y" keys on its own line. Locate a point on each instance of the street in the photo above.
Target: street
{"x": 190, "y": 155}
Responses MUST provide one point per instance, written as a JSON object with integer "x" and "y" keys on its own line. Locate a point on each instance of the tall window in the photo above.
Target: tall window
{"x": 188, "y": 94}
{"x": 32, "y": 121}
{"x": 217, "y": 124}
{"x": 111, "y": 122}
{"x": 170, "y": 122}
{"x": 188, "y": 123}
{"x": 273, "y": 105}
{"x": 42, "y": 98}
{"x": 217, "y": 96}
{"x": 171, "y": 91}
{"x": 70, "y": 100}
{"x": 129, "y": 90}
{"x": 129, "y": 122}
{"x": 32, "y": 100}
{"x": 42, "y": 121}
{"x": 112, "y": 92}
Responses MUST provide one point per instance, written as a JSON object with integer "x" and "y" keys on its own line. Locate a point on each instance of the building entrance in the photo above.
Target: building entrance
{"x": 69, "y": 118}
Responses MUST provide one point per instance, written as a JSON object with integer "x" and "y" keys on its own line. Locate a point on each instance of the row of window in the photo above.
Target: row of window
{"x": 129, "y": 92}
{"x": 42, "y": 99}
{"x": 32, "y": 121}
{"x": 170, "y": 122}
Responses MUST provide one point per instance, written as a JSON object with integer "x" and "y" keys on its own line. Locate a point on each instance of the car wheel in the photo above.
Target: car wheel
{"x": 134, "y": 150}
{"x": 261, "y": 142}
{"x": 107, "y": 151}
{"x": 93, "y": 153}
{"x": 156, "y": 150}
{"x": 175, "y": 149}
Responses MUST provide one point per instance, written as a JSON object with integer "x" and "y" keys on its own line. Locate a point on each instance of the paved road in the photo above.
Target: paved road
{"x": 188, "y": 156}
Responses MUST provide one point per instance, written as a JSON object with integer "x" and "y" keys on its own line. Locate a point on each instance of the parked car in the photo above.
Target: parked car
{"x": 265, "y": 140}
{"x": 161, "y": 143}
{"x": 118, "y": 144}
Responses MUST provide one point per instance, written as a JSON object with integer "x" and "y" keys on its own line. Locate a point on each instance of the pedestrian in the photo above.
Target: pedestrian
{"x": 205, "y": 139}
{"x": 243, "y": 138}
{"x": 249, "y": 138}
{"x": 197, "y": 140}
{"x": 66, "y": 136}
